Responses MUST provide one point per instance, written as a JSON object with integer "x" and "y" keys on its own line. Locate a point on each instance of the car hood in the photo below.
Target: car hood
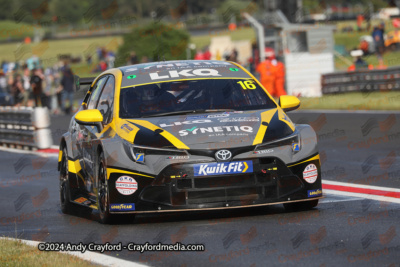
{"x": 210, "y": 130}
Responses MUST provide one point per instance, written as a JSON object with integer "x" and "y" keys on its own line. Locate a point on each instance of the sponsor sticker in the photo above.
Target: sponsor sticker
{"x": 223, "y": 168}
{"x": 239, "y": 119}
{"x": 265, "y": 151}
{"x": 310, "y": 173}
{"x": 121, "y": 207}
{"x": 314, "y": 193}
{"x": 223, "y": 130}
{"x": 126, "y": 128}
{"x": 126, "y": 185}
{"x": 188, "y": 120}
{"x": 183, "y": 73}
{"x": 80, "y": 200}
{"x": 218, "y": 116}
{"x": 196, "y": 117}
{"x": 139, "y": 157}
{"x": 178, "y": 157}
{"x": 295, "y": 147}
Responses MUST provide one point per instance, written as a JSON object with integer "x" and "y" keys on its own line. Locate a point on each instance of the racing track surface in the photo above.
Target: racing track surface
{"x": 349, "y": 231}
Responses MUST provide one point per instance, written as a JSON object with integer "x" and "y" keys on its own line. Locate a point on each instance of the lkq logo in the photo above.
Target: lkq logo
{"x": 184, "y": 73}
{"x": 222, "y": 155}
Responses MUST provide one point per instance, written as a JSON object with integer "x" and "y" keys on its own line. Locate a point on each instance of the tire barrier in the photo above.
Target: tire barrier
{"x": 25, "y": 127}
{"x": 361, "y": 81}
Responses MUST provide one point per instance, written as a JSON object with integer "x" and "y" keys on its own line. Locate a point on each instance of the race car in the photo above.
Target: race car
{"x": 185, "y": 136}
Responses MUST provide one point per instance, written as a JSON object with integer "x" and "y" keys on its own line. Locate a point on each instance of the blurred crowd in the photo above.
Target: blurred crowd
{"x": 29, "y": 84}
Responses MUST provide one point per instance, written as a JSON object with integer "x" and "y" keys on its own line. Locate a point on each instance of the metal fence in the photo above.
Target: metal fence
{"x": 361, "y": 81}
{"x": 25, "y": 127}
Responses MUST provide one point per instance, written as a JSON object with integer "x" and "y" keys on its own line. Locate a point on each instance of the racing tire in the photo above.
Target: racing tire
{"x": 65, "y": 201}
{"x": 298, "y": 206}
{"x": 103, "y": 202}
{"x": 102, "y": 191}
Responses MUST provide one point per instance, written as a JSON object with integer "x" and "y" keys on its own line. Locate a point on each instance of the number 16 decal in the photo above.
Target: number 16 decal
{"x": 247, "y": 85}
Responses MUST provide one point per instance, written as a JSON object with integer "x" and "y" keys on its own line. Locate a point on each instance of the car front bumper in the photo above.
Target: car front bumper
{"x": 177, "y": 189}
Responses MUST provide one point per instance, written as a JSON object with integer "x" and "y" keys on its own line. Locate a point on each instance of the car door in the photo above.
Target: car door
{"x": 94, "y": 134}
{"x": 86, "y": 134}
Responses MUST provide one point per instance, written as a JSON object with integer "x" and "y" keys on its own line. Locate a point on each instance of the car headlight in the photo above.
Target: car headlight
{"x": 292, "y": 140}
{"x": 137, "y": 153}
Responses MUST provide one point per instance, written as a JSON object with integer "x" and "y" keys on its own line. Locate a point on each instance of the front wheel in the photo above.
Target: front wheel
{"x": 65, "y": 202}
{"x": 304, "y": 205}
{"x": 102, "y": 191}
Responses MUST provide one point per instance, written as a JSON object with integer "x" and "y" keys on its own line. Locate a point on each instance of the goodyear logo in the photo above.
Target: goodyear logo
{"x": 223, "y": 168}
{"x": 314, "y": 193}
{"x": 121, "y": 207}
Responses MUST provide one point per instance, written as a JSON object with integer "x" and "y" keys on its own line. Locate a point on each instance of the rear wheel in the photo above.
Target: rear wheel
{"x": 304, "y": 205}
{"x": 65, "y": 202}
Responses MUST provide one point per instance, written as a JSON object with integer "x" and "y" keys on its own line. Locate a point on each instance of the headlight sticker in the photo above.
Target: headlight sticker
{"x": 295, "y": 147}
{"x": 310, "y": 173}
{"x": 139, "y": 157}
{"x": 126, "y": 185}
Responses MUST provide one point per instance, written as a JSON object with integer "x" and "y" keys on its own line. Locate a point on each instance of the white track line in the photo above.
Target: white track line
{"x": 93, "y": 257}
{"x": 20, "y": 151}
{"x": 368, "y": 196}
{"x": 361, "y": 186}
{"x": 362, "y": 195}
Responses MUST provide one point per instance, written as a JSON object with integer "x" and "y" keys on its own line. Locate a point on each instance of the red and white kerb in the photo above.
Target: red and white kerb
{"x": 126, "y": 185}
{"x": 310, "y": 173}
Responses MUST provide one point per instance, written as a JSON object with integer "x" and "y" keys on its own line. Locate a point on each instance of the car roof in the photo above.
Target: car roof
{"x": 164, "y": 71}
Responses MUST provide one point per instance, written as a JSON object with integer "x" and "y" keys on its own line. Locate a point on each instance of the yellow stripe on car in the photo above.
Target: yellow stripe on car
{"x": 60, "y": 155}
{"x": 113, "y": 170}
{"x": 310, "y": 159}
{"x": 170, "y": 137}
{"x": 266, "y": 117}
{"x": 74, "y": 166}
{"x": 283, "y": 117}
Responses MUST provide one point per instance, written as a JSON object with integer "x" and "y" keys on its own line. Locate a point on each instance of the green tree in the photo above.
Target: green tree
{"x": 156, "y": 41}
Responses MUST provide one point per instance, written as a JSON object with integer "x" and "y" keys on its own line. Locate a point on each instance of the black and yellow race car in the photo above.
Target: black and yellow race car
{"x": 184, "y": 136}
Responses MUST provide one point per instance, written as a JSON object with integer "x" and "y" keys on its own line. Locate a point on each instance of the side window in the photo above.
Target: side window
{"x": 94, "y": 97}
{"x": 107, "y": 100}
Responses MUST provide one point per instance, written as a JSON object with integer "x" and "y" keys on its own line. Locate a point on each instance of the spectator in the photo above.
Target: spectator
{"x": 199, "y": 55}
{"x": 272, "y": 74}
{"x": 18, "y": 91}
{"x": 377, "y": 35}
{"x": 37, "y": 86}
{"x": 207, "y": 54}
{"x": 67, "y": 83}
{"x": 26, "y": 81}
{"x": 133, "y": 59}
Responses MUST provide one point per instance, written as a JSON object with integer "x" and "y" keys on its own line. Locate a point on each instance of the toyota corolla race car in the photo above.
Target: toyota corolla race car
{"x": 184, "y": 136}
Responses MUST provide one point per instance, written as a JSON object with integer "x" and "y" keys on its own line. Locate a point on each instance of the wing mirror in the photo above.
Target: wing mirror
{"x": 91, "y": 117}
{"x": 289, "y": 102}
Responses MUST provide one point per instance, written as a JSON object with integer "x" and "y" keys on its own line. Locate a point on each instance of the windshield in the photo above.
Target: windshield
{"x": 192, "y": 95}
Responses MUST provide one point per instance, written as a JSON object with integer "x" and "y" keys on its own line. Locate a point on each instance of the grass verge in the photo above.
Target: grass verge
{"x": 16, "y": 253}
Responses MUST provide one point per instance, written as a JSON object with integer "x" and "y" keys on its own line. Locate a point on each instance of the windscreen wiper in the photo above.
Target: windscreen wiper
{"x": 181, "y": 112}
